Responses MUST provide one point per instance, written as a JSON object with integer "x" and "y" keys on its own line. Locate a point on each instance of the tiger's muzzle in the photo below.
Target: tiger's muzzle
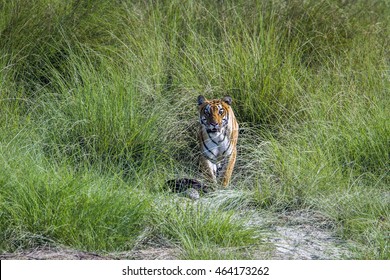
{"x": 214, "y": 127}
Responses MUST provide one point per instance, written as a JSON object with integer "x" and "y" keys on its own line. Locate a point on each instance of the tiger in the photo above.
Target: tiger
{"x": 218, "y": 135}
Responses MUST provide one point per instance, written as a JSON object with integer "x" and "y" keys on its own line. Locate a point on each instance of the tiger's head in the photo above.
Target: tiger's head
{"x": 214, "y": 113}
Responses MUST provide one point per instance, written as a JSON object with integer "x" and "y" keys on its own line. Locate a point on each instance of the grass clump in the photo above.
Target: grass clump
{"x": 103, "y": 117}
{"x": 204, "y": 232}
{"x": 42, "y": 204}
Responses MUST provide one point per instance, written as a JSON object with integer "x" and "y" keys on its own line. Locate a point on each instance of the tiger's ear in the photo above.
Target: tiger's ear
{"x": 227, "y": 99}
{"x": 201, "y": 99}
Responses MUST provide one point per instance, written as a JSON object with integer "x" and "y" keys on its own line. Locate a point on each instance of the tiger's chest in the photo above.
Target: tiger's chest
{"x": 216, "y": 146}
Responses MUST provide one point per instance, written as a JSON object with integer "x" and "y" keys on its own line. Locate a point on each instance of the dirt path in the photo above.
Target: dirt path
{"x": 69, "y": 254}
{"x": 306, "y": 236}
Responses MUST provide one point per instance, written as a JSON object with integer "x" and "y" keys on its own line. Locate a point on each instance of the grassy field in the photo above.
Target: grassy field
{"x": 98, "y": 110}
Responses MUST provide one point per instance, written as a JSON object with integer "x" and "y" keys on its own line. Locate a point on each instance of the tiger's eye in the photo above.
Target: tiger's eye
{"x": 220, "y": 111}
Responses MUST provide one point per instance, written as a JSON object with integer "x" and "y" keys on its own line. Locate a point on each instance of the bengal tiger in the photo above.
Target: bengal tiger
{"x": 218, "y": 134}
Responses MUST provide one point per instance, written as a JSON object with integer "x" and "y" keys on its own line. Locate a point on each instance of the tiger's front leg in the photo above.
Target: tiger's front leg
{"x": 228, "y": 168}
{"x": 208, "y": 169}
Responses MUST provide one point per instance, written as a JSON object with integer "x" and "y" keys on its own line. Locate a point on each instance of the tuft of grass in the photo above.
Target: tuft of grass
{"x": 204, "y": 232}
{"x": 42, "y": 204}
{"x": 103, "y": 117}
{"x": 363, "y": 218}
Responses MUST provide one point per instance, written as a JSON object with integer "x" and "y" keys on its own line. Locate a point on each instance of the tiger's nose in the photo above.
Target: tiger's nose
{"x": 213, "y": 123}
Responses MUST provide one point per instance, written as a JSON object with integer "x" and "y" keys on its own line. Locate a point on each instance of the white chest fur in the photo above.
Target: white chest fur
{"x": 216, "y": 145}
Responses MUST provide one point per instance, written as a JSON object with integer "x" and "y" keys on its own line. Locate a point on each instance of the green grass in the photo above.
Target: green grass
{"x": 98, "y": 110}
{"x": 200, "y": 229}
{"x": 42, "y": 203}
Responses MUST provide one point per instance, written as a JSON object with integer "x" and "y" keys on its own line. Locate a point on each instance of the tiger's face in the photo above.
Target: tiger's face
{"x": 214, "y": 113}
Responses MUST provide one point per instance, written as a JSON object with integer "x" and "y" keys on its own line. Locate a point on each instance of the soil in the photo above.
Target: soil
{"x": 47, "y": 253}
{"x": 306, "y": 236}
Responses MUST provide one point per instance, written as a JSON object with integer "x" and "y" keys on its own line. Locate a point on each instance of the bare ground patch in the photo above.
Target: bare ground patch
{"x": 305, "y": 235}
{"x": 47, "y": 253}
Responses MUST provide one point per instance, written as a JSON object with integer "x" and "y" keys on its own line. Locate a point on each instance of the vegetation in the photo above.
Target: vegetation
{"x": 98, "y": 109}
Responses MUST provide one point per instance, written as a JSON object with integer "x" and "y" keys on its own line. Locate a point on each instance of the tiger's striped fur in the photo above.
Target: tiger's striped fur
{"x": 218, "y": 134}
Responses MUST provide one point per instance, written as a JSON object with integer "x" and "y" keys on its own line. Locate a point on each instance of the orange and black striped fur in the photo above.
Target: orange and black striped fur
{"x": 218, "y": 134}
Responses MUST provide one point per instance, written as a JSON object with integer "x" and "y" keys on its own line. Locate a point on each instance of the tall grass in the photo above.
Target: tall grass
{"x": 97, "y": 110}
{"x": 204, "y": 232}
{"x": 42, "y": 203}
